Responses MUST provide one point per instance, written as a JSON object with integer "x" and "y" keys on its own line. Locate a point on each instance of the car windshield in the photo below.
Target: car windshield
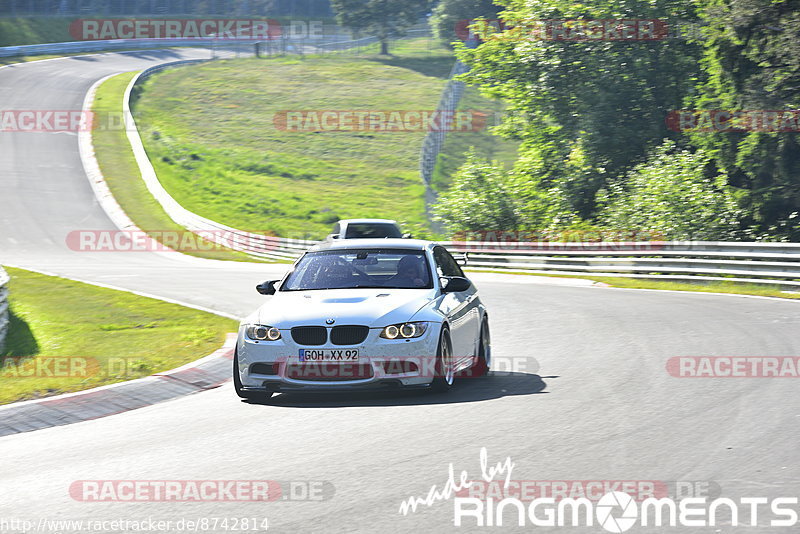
{"x": 371, "y": 230}
{"x": 360, "y": 268}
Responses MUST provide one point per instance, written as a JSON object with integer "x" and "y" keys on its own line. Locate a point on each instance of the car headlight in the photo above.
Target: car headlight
{"x": 263, "y": 333}
{"x": 404, "y": 330}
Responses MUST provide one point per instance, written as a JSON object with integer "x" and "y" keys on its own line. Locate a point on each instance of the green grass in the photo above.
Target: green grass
{"x": 118, "y": 165}
{"x": 487, "y": 145}
{"x": 34, "y": 30}
{"x": 735, "y": 288}
{"x": 210, "y": 134}
{"x": 53, "y": 317}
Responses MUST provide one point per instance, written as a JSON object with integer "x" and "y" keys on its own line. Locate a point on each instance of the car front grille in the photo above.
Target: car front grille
{"x": 310, "y": 335}
{"x": 329, "y": 372}
{"x": 349, "y": 335}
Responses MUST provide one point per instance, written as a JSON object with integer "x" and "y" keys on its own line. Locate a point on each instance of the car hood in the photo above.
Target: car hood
{"x": 371, "y": 307}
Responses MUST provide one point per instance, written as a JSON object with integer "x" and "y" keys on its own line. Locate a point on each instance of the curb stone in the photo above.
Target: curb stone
{"x": 204, "y": 374}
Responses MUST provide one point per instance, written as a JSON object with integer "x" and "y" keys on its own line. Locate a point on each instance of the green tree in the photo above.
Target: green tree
{"x": 586, "y": 111}
{"x": 752, "y": 55}
{"x": 381, "y": 18}
{"x": 675, "y": 194}
{"x": 450, "y": 17}
{"x": 480, "y": 198}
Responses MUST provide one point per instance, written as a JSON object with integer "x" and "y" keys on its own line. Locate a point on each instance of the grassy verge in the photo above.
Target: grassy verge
{"x": 34, "y": 30}
{"x": 114, "y": 336}
{"x": 487, "y": 145}
{"x": 116, "y": 160}
{"x": 736, "y": 288}
{"x": 211, "y": 136}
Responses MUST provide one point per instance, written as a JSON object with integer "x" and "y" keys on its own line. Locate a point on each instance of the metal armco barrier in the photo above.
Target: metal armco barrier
{"x": 750, "y": 262}
{"x": 101, "y": 46}
{"x": 4, "y": 279}
{"x": 111, "y": 45}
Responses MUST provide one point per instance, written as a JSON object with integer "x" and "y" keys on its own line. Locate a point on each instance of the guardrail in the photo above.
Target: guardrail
{"x": 99, "y": 46}
{"x": 112, "y": 45}
{"x": 705, "y": 261}
{"x": 4, "y": 279}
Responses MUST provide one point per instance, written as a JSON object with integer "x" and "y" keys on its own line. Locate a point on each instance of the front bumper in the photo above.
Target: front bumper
{"x": 384, "y": 359}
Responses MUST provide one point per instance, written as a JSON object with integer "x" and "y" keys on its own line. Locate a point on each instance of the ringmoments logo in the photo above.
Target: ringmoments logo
{"x": 614, "y": 511}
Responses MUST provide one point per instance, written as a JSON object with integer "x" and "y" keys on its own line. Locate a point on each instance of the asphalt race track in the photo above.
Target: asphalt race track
{"x": 588, "y": 396}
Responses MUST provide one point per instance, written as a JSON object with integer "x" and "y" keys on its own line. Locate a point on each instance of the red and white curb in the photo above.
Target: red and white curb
{"x": 201, "y": 375}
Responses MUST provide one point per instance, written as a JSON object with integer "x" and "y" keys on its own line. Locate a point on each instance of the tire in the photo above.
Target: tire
{"x": 444, "y": 375}
{"x": 237, "y": 384}
{"x": 484, "y": 363}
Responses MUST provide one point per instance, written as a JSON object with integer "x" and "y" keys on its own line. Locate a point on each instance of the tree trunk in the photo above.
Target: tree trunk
{"x": 385, "y": 46}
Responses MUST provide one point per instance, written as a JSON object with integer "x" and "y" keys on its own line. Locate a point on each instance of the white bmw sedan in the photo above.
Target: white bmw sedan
{"x": 364, "y": 314}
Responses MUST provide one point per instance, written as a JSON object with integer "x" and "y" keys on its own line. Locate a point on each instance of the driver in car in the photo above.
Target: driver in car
{"x": 409, "y": 273}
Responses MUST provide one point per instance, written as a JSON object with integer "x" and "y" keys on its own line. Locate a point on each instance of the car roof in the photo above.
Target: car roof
{"x": 367, "y": 221}
{"x": 412, "y": 244}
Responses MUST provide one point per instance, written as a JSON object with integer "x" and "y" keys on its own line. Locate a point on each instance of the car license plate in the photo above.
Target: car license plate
{"x": 328, "y": 355}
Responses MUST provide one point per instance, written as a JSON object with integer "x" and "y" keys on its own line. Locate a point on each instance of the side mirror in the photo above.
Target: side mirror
{"x": 455, "y": 284}
{"x": 267, "y": 288}
{"x": 406, "y": 236}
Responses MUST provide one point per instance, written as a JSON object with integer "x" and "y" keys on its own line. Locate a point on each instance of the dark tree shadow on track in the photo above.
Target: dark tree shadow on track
{"x": 493, "y": 386}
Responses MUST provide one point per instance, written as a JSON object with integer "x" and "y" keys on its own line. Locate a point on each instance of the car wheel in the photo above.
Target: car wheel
{"x": 237, "y": 384}
{"x": 444, "y": 376}
{"x": 484, "y": 363}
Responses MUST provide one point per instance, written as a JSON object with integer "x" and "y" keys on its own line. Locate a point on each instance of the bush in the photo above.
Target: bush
{"x": 677, "y": 194}
{"x": 479, "y": 198}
